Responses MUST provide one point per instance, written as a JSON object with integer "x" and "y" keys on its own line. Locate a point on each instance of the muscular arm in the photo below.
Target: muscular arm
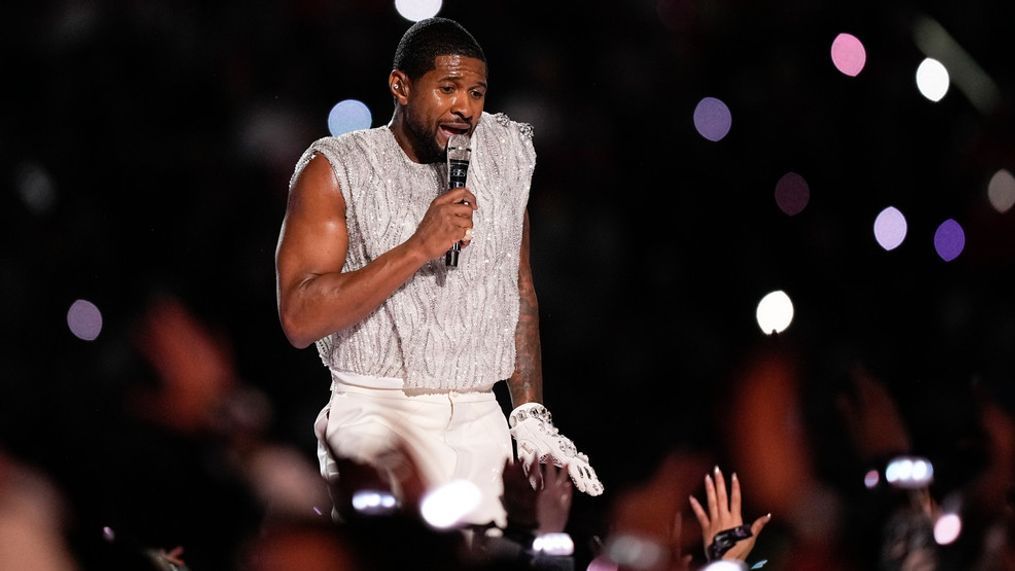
{"x": 315, "y": 298}
{"x": 526, "y": 384}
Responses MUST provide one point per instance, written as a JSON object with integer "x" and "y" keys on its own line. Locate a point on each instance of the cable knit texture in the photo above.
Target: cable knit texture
{"x": 446, "y": 328}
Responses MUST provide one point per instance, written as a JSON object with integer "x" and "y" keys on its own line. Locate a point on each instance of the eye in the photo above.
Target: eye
{"x": 447, "y": 89}
{"x": 477, "y": 94}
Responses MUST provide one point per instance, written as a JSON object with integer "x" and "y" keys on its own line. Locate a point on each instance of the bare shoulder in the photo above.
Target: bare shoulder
{"x": 315, "y": 190}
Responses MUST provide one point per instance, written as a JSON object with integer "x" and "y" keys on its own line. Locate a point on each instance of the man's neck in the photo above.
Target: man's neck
{"x": 404, "y": 139}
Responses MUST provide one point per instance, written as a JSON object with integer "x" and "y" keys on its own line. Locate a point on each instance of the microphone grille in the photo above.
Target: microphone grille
{"x": 458, "y": 147}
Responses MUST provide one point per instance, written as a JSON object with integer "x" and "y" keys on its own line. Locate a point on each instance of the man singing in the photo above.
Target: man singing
{"x": 413, "y": 344}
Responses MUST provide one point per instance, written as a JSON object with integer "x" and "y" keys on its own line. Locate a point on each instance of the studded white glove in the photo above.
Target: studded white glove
{"x": 539, "y": 440}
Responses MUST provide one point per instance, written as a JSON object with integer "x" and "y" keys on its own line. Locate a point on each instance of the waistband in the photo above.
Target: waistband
{"x": 393, "y": 387}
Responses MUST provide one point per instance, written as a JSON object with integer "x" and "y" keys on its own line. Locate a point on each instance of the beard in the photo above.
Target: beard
{"x": 424, "y": 141}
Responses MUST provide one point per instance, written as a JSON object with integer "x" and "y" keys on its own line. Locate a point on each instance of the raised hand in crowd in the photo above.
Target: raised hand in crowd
{"x": 722, "y": 526}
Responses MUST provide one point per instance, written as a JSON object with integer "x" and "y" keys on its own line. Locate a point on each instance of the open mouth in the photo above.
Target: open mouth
{"x": 448, "y": 129}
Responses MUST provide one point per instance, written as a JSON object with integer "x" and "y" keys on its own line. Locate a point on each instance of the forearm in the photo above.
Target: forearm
{"x": 526, "y": 384}
{"x": 320, "y": 304}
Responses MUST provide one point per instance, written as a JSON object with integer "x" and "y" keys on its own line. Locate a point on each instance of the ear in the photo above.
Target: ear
{"x": 399, "y": 85}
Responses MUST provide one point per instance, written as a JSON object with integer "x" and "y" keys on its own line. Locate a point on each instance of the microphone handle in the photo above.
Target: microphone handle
{"x": 457, "y": 171}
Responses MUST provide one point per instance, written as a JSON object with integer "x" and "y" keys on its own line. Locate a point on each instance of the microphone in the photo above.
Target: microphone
{"x": 458, "y": 168}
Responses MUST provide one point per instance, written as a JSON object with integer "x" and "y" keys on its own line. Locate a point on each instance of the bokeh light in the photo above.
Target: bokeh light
{"x": 36, "y": 188}
{"x": 348, "y": 115}
{"x": 371, "y": 502}
{"x": 444, "y": 507}
{"x": 949, "y": 240}
{"x": 792, "y": 194}
{"x": 1001, "y": 191}
{"x": 775, "y": 312}
{"x": 555, "y": 544}
{"x": 890, "y": 228}
{"x": 84, "y": 320}
{"x": 932, "y": 79}
{"x": 416, "y": 10}
{"x": 725, "y": 565}
{"x": 947, "y": 528}
{"x": 108, "y": 534}
{"x": 871, "y": 479}
{"x": 909, "y": 472}
{"x": 712, "y": 119}
{"x": 848, "y": 54}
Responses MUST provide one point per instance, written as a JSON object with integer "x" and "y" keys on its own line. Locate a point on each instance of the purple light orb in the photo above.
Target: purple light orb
{"x": 792, "y": 194}
{"x": 84, "y": 320}
{"x": 848, "y": 54}
{"x": 890, "y": 228}
{"x": 712, "y": 119}
{"x": 949, "y": 240}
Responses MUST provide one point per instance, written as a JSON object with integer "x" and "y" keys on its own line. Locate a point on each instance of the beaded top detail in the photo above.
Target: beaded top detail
{"x": 446, "y": 328}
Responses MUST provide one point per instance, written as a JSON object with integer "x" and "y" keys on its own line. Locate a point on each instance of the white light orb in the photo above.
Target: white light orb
{"x": 447, "y": 505}
{"x": 1001, "y": 191}
{"x": 932, "y": 79}
{"x": 416, "y": 10}
{"x": 947, "y": 528}
{"x": 775, "y": 312}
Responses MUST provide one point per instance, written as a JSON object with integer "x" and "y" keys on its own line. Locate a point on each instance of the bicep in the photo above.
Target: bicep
{"x": 314, "y": 238}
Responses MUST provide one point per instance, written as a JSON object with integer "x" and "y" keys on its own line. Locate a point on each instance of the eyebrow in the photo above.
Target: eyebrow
{"x": 457, "y": 77}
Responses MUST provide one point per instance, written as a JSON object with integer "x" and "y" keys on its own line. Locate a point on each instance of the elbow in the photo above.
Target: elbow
{"x": 297, "y": 335}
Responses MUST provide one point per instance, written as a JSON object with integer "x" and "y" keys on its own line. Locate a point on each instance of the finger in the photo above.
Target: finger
{"x": 713, "y": 510}
{"x": 458, "y": 195}
{"x": 699, "y": 513}
{"x": 576, "y": 477}
{"x": 735, "y": 499}
{"x": 720, "y": 494}
{"x": 561, "y": 478}
{"x": 760, "y": 524}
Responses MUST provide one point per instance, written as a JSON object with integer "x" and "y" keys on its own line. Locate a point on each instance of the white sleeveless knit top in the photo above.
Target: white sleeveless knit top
{"x": 446, "y": 328}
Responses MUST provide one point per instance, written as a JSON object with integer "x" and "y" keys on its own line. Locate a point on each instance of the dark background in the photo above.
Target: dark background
{"x": 166, "y": 132}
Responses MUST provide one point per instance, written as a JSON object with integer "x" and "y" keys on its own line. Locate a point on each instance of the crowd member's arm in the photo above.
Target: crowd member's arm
{"x": 315, "y": 298}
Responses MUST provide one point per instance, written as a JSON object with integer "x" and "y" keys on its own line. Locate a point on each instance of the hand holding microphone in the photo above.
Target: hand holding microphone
{"x": 458, "y": 168}
{"x": 448, "y": 221}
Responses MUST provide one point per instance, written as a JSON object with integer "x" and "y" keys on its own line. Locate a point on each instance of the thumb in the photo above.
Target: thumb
{"x": 760, "y": 524}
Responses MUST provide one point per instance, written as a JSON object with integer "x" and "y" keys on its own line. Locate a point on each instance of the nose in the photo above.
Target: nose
{"x": 464, "y": 107}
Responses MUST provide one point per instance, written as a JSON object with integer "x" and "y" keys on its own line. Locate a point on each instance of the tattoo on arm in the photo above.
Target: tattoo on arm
{"x": 526, "y": 384}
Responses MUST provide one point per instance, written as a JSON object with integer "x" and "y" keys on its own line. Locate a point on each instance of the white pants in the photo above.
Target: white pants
{"x": 451, "y": 435}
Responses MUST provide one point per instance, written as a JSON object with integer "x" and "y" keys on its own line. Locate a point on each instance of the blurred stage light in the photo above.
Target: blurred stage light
{"x": 949, "y": 240}
{"x": 775, "y": 312}
{"x": 416, "y": 10}
{"x": 712, "y": 119}
{"x": 555, "y": 544}
{"x": 84, "y": 320}
{"x": 971, "y": 79}
{"x": 792, "y": 194}
{"x": 372, "y": 502}
{"x": 871, "y": 479}
{"x": 36, "y": 188}
{"x": 909, "y": 472}
{"x": 724, "y": 565}
{"x": 947, "y": 528}
{"x": 348, "y": 115}
{"x": 890, "y": 228}
{"x": 447, "y": 505}
{"x": 932, "y": 79}
{"x": 848, "y": 54}
{"x": 1001, "y": 191}
{"x": 108, "y": 534}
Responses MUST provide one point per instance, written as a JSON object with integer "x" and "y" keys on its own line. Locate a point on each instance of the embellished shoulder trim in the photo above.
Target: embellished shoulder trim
{"x": 524, "y": 128}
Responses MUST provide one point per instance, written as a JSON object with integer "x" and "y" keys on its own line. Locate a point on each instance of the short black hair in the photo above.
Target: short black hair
{"x": 427, "y": 39}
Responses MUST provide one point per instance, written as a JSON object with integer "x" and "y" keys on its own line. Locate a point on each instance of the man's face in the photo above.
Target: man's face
{"x": 445, "y": 101}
